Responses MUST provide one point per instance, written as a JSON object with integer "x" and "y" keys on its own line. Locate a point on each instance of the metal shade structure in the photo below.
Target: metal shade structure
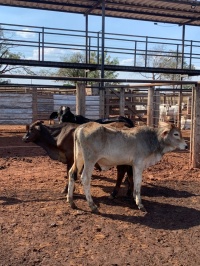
{"x": 182, "y": 12}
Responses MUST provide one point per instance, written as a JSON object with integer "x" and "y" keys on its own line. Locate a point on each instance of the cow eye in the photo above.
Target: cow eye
{"x": 176, "y": 134}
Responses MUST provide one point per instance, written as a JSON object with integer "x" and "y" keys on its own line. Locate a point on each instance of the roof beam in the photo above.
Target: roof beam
{"x": 93, "y": 7}
{"x": 166, "y": 11}
{"x": 50, "y": 3}
{"x": 185, "y": 2}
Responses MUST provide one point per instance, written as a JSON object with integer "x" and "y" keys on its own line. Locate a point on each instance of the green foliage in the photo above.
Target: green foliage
{"x": 80, "y": 58}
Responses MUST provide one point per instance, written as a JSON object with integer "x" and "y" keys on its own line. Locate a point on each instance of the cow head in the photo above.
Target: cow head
{"x": 171, "y": 138}
{"x": 67, "y": 116}
{"x": 60, "y": 112}
{"x": 33, "y": 132}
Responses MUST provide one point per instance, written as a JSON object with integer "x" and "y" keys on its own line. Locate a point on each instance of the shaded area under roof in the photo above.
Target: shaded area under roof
{"x": 182, "y": 12}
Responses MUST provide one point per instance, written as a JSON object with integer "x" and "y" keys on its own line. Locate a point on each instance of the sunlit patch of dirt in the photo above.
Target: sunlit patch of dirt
{"x": 37, "y": 227}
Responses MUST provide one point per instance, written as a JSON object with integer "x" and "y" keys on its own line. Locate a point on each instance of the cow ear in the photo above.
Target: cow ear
{"x": 38, "y": 124}
{"x": 165, "y": 133}
{"x": 37, "y": 127}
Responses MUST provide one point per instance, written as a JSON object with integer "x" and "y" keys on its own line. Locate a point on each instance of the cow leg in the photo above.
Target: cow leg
{"x": 86, "y": 179}
{"x": 121, "y": 170}
{"x": 130, "y": 181}
{"x": 64, "y": 191}
{"x": 72, "y": 177}
{"x": 69, "y": 165}
{"x": 137, "y": 173}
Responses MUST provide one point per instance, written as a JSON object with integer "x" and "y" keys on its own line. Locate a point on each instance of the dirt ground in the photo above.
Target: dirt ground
{"x": 37, "y": 227}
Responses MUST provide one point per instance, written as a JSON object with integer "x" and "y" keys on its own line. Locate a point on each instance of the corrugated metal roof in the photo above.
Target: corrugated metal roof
{"x": 169, "y": 11}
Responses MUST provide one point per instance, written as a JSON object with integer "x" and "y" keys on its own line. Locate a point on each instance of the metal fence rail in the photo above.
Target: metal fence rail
{"x": 53, "y": 44}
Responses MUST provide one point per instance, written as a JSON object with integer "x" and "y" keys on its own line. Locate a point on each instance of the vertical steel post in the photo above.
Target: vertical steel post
{"x": 102, "y": 89}
{"x": 86, "y": 44}
{"x": 98, "y": 47}
{"x": 135, "y": 54}
{"x": 183, "y": 46}
{"x": 86, "y": 39}
{"x": 42, "y": 43}
{"x": 39, "y": 45}
{"x": 191, "y": 43}
{"x": 181, "y": 87}
{"x": 103, "y": 39}
{"x": 146, "y": 48}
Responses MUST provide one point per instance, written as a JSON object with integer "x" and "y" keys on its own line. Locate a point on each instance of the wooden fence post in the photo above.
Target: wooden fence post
{"x": 102, "y": 102}
{"x": 80, "y": 98}
{"x": 34, "y": 104}
{"x": 150, "y": 106}
{"x": 195, "y": 130}
{"x": 189, "y": 107}
{"x": 180, "y": 100}
{"x": 156, "y": 109}
{"x": 122, "y": 102}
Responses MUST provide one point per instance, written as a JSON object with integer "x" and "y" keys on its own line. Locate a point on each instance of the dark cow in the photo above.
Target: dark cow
{"x": 65, "y": 115}
{"x": 57, "y": 141}
{"x": 57, "y": 114}
{"x": 138, "y": 147}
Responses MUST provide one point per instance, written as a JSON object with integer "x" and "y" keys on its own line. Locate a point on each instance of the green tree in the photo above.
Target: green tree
{"x": 80, "y": 58}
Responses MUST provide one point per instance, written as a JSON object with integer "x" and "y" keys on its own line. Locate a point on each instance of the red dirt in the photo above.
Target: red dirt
{"x": 37, "y": 227}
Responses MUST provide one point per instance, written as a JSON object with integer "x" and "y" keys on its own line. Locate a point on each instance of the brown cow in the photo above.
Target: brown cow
{"x": 57, "y": 141}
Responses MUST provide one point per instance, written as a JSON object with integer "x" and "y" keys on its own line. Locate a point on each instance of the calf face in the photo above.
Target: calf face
{"x": 67, "y": 116}
{"x": 33, "y": 132}
{"x": 172, "y": 139}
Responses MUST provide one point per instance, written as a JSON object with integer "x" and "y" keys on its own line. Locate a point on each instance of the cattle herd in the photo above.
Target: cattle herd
{"x": 83, "y": 145}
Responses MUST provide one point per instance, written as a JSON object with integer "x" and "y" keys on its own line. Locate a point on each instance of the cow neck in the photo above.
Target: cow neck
{"x": 48, "y": 142}
{"x": 164, "y": 147}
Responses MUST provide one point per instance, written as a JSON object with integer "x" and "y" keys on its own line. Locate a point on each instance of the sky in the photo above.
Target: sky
{"x": 41, "y": 18}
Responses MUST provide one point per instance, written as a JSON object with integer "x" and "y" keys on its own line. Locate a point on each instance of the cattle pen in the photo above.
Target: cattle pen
{"x": 141, "y": 102}
{"x": 38, "y": 228}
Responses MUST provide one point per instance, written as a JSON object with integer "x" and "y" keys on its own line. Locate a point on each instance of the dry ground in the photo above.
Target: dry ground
{"x": 37, "y": 227}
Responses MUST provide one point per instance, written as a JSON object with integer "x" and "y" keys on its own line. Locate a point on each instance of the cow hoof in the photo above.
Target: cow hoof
{"x": 142, "y": 208}
{"x": 72, "y": 205}
{"x": 111, "y": 197}
{"x": 94, "y": 208}
{"x": 113, "y": 194}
